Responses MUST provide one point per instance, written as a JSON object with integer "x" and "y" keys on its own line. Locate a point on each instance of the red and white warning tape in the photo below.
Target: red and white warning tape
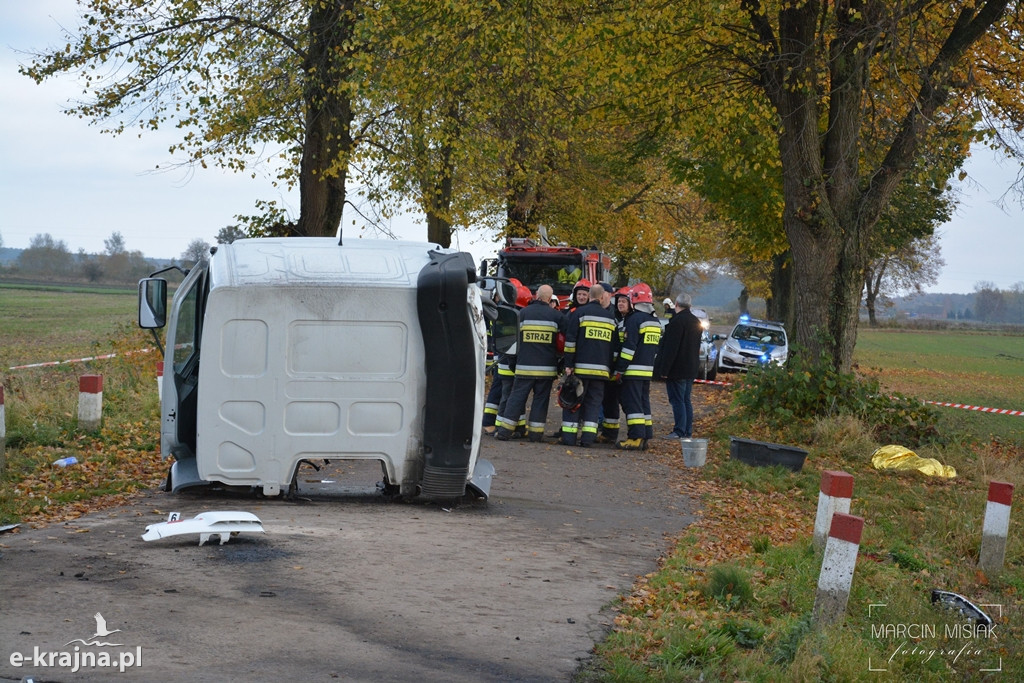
{"x": 979, "y": 409}
{"x": 75, "y": 360}
{"x": 711, "y": 381}
{"x": 962, "y": 406}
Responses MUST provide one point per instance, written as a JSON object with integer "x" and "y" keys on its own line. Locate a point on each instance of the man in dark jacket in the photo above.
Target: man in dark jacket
{"x": 678, "y": 362}
{"x": 536, "y": 366}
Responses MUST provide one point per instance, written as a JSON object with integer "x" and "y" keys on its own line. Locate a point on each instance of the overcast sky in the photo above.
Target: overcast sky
{"x": 61, "y": 176}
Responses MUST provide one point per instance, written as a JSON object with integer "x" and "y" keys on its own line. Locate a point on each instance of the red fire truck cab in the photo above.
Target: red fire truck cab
{"x": 559, "y": 266}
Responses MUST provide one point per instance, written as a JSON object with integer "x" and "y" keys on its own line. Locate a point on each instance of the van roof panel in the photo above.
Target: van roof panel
{"x": 304, "y": 261}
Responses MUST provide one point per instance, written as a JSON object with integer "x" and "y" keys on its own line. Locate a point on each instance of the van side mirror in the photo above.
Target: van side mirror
{"x": 152, "y": 303}
{"x": 506, "y": 292}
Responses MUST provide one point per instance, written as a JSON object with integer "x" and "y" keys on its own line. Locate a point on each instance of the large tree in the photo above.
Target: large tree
{"x": 854, "y": 91}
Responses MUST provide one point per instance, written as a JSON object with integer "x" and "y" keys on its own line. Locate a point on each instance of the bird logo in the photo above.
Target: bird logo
{"x": 101, "y": 632}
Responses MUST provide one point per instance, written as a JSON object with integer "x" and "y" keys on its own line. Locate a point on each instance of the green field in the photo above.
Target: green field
{"x": 974, "y": 368}
{"x": 39, "y": 324}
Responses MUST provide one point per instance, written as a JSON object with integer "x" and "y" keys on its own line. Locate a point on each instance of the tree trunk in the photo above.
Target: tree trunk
{"x": 781, "y": 301}
{"x": 521, "y": 203}
{"x": 328, "y": 110}
{"x": 870, "y": 296}
{"x": 436, "y": 184}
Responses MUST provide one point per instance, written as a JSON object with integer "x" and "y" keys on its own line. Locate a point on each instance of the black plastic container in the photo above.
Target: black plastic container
{"x": 764, "y": 454}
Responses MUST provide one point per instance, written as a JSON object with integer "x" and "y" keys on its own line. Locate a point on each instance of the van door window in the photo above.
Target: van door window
{"x": 186, "y": 334}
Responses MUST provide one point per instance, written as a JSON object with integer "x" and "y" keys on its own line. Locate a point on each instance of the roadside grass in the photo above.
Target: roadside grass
{"x": 920, "y": 533}
{"x": 41, "y": 404}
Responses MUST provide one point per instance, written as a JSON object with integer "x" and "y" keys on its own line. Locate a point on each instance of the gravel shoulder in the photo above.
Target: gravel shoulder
{"x": 347, "y": 585}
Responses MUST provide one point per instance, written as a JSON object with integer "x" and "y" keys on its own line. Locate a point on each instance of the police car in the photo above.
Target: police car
{"x": 752, "y": 343}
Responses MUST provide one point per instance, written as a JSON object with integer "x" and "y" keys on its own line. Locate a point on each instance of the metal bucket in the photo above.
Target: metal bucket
{"x": 695, "y": 452}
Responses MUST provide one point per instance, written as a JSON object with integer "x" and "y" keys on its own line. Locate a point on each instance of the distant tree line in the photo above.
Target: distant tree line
{"x": 47, "y": 257}
{"x": 994, "y": 305}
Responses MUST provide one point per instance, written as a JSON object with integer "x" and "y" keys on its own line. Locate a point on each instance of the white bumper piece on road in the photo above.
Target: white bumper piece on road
{"x": 207, "y": 524}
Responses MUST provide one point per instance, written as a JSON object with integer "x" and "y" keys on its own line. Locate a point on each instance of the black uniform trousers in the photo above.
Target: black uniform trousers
{"x": 610, "y": 407}
{"x": 636, "y": 403}
{"x": 583, "y": 422}
{"x": 522, "y": 387}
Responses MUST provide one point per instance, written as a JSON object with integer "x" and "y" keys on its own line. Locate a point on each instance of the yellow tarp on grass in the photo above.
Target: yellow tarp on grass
{"x": 899, "y": 458}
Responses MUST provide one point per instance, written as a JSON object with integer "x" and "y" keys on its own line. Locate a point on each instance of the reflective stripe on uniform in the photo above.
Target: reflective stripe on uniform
{"x": 645, "y": 371}
{"x": 506, "y": 423}
{"x": 536, "y": 371}
{"x": 592, "y": 370}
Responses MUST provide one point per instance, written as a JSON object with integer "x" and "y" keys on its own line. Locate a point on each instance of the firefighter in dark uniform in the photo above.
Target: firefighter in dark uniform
{"x": 536, "y": 366}
{"x": 635, "y": 368}
{"x": 613, "y": 390}
{"x": 589, "y": 339}
{"x": 505, "y": 365}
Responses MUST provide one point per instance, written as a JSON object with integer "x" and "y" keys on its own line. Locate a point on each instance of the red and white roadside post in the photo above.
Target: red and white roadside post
{"x": 160, "y": 379}
{"x": 90, "y": 402}
{"x": 834, "y": 496}
{"x": 996, "y": 526}
{"x": 837, "y": 566}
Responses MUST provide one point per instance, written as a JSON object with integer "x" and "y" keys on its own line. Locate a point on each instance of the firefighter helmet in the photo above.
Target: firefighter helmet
{"x": 584, "y": 283}
{"x": 570, "y": 393}
{"x": 523, "y": 294}
{"x": 622, "y": 291}
{"x": 640, "y": 293}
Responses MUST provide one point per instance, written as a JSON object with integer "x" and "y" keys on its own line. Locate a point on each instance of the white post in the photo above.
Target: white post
{"x": 837, "y": 566}
{"x": 834, "y": 496}
{"x": 90, "y": 402}
{"x": 160, "y": 379}
{"x": 995, "y": 527}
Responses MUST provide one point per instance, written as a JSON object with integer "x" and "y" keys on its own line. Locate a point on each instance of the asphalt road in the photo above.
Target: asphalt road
{"x": 345, "y": 585}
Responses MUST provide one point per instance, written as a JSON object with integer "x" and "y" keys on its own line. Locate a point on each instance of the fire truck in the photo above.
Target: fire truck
{"x": 559, "y": 266}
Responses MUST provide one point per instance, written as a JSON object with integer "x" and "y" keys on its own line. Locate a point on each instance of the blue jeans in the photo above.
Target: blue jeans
{"x": 682, "y": 408}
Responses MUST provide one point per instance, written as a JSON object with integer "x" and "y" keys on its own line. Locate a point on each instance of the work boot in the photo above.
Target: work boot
{"x": 502, "y": 434}
{"x": 631, "y": 445}
{"x": 607, "y": 438}
{"x": 489, "y": 429}
{"x": 519, "y": 433}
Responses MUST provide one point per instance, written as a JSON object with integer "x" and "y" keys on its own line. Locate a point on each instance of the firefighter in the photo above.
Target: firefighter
{"x": 613, "y": 390}
{"x": 569, "y": 273}
{"x": 580, "y": 294}
{"x": 589, "y": 338}
{"x": 670, "y": 308}
{"x": 536, "y": 366}
{"x": 635, "y": 368}
{"x": 505, "y": 365}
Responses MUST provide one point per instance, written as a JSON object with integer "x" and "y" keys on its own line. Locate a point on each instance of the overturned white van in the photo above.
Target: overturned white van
{"x": 280, "y": 351}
